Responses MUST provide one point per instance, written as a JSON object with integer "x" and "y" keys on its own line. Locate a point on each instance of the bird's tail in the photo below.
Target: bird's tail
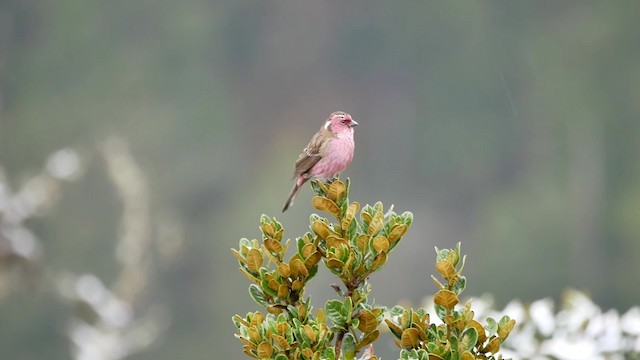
{"x": 292, "y": 194}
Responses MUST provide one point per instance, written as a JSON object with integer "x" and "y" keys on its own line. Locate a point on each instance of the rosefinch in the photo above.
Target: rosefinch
{"x": 328, "y": 153}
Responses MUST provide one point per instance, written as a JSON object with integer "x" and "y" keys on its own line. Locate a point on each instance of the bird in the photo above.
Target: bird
{"x": 328, "y": 153}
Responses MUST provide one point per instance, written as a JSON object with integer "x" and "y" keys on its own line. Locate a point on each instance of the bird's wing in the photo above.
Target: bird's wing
{"x": 313, "y": 152}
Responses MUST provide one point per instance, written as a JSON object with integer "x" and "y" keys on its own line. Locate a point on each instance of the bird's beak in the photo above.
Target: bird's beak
{"x": 353, "y": 123}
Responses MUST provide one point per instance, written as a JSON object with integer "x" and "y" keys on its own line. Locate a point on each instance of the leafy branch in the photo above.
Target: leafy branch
{"x": 352, "y": 248}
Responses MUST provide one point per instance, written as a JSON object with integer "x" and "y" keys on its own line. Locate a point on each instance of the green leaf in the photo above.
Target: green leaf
{"x": 441, "y": 311}
{"x": 491, "y": 327}
{"x": 318, "y": 188}
{"x": 468, "y": 339}
{"x": 503, "y": 321}
{"x": 312, "y": 272}
{"x": 244, "y": 242}
{"x": 441, "y": 254}
{"x": 257, "y": 295}
{"x": 347, "y": 309}
{"x": 300, "y": 243}
{"x": 349, "y": 347}
{"x": 396, "y": 311}
{"x": 407, "y": 218}
{"x": 334, "y": 311}
{"x": 460, "y": 285}
{"x": 264, "y": 284}
{"x": 329, "y": 354}
{"x": 505, "y": 326}
{"x": 404, "y": 354}
{"x": 453, "y": 340}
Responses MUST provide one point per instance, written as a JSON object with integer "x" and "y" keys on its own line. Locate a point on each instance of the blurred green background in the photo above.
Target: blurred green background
{"x": 510, "y": 126}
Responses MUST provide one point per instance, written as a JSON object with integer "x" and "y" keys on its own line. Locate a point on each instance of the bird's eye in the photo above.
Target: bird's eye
{"x": 344, "y": 121}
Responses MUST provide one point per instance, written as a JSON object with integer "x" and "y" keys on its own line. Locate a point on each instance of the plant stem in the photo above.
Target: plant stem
{"x": 351, "y": 286}
{"x": 339, "y": 343}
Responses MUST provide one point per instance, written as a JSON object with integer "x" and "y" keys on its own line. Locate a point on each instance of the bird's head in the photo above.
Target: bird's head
{"x": 339, "y": 122}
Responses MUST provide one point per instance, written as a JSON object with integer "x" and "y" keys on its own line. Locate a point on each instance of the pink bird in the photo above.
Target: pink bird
{"x": 328, "y": 153}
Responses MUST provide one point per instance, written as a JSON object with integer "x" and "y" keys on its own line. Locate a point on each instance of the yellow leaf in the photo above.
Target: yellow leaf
{"x": 238, "y": 256}
{"x": 308, "y": 330}
{"x": 368, "y": 339}
{"x": 256, "y": 318}
{"x": 278, "y": 234}
{"x": 493, "y": 346}
{"x": 336, "y": 191}
{"x": 297, "y": 285}
{"x": 268, "y": 230}
{"x": 297, "y": 268}
{"x": 321, "y": 184}
{"x": 281, "y": 342}
{"x": 248, "y": 343}
{"x": 321, "y": 229}
{"x": 380, "y": 243}
{"x": 362, "y": 242}
{"x": 265, "y": 350}
{"x": 448, "y": 319}
{"x": 368, "y": 321}
{"x": 334, "y": 263}
{"x": 445, "y": 268}
{"x": 282, "y": 328}
{"x": 405, "y": 319}
{"x": 349, "y": 215}
{"x": 397, "y": 232}
{"x": 320, "y": 316}
{"x": 395, "y": 329}
{"x": 284, "y": 270}
{"x": 302, "y": 311}
{"x": 504, "y": 330}
{"x": 307, "y": 250}
{"x": 467, "y": 355}
{"x": 482, "y": 335}
{"x": 453, "y": 257}
{"x": 326, "y": 205}
{"x": 254, "y": 335}
{"x": 336, "y": 242}
{"x": 283, "y": 291}
{"x": 376, "y": 224}
{"x": 379, "y": 261}
{"x": 250, "y": 276}
{"x": 274, "y": 309}
{"x": 274, "y": 285}
{"x": 249, "y": 353}
{"x": 254, "y": 260}
{"x": 239, "y": 319}
{"x": 273, "y": 246}
{"x": 312, "y": 260}
{"x": 410, "y": 338}
{"x": 446, "y": 298}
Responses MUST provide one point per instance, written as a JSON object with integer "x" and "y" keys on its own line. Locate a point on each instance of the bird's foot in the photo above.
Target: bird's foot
{"x": 331, "y": 180}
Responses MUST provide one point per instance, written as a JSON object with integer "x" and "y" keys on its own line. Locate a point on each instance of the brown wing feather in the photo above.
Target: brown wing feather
{"x": 313, "y": 152}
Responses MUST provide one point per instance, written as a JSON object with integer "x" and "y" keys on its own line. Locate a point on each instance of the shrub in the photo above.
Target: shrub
{"x": 352, "y": 248}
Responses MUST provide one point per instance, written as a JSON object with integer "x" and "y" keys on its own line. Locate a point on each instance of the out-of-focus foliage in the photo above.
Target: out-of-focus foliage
{"x": 578, "y": 329}
{"x": 506, "y": 124}
{"x": 107, "y": 322}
